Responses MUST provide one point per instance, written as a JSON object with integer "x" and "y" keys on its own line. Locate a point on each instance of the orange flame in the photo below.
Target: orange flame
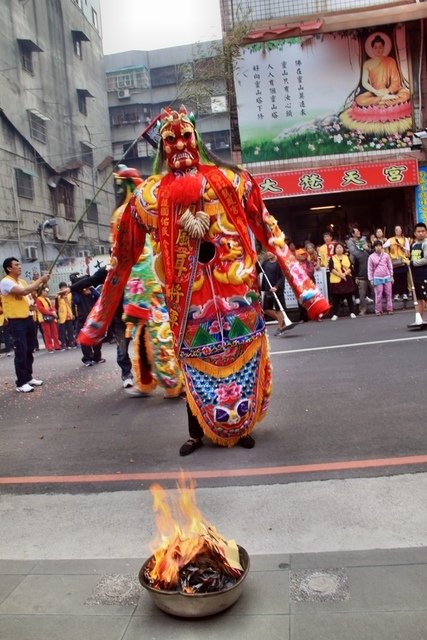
{"x": 184, "y": 533}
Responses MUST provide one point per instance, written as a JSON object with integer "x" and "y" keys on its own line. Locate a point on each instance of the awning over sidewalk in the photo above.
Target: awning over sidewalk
{"x": 340, "y": 21}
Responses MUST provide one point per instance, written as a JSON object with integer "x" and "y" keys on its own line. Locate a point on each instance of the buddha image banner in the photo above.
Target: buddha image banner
{"x": 324, "y": 94}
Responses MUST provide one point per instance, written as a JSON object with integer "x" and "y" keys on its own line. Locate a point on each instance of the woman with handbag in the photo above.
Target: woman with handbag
{"x": 397, "y": 248}
{"x": 48, "y": 315}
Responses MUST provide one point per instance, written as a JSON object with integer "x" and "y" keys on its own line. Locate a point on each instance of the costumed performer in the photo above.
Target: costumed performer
{"x": 144, "y": 310}
{"x": 204, "y": 217}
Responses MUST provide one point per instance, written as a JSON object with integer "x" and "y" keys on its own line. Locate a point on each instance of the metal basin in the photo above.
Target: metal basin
{"x": 197, "y": 605}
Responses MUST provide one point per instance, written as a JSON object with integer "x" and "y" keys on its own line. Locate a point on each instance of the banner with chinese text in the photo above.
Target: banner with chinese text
{"x": 312, "y": 181}
{"x": 334, "y": 93}
{"x": 421, "y": 196}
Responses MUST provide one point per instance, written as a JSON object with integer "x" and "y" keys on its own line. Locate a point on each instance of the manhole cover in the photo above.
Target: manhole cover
{"x": 325, "y": 583}
{"x": 116, "y": 589}
{"x": 319, "y": 586}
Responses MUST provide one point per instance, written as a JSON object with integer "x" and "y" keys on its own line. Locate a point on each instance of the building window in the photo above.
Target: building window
{"x": 130, "y": 150}
{"x": 78, "y": 48}
{"x": 78, "y": 37}
{"x": 218, "y": 104}
{"x": 27, "y": 60}
{"x": 136, "y": 78}
{"x": 95, "y": 19}
{"x": 163, "y": 76}
{"x": 24, "y": 184}
{"x": 82, "y": 95}
{"x": 38, "y": 129}
{"x": 91, "y": 208}
{"x": 65, "y": 200}
{"x": 81, "y": 99}
{"x": 26, "y": 50}
{"x": 125, "y": 81}
{"x": 217, "y": 140}
{"x": 134, "y": 114}
{"x": 87, "y": 154}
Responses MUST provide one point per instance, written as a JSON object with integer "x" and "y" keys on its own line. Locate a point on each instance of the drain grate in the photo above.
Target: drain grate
{"x": 116, "y": 589}
{"x": 326, "y": 585}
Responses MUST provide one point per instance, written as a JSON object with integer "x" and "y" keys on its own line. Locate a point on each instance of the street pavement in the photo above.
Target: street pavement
{"x": 330, "y": 504}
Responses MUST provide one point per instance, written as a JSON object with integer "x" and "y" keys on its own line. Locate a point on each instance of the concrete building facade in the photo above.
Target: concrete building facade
{"x": 55, "y": 145}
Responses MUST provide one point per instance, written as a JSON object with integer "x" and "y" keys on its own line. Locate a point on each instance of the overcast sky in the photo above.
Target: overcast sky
{"x": 148, "y": 24}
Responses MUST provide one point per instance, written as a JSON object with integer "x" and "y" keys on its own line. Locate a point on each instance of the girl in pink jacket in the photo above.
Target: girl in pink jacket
{"x": 380, "y": 274}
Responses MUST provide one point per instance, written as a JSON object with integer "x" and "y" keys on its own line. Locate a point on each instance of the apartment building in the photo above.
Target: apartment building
{"x": 141, "y": 83}
{"x": 329, "y": 95}
{"x": 55, "y": 145}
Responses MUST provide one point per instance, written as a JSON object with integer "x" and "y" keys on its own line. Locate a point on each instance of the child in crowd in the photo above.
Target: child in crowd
{"x": 380, "y": 274}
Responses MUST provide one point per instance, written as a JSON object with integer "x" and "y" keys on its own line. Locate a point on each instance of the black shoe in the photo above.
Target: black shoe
{"x": 190, "y": 446}
{"x": 247, "y": 442}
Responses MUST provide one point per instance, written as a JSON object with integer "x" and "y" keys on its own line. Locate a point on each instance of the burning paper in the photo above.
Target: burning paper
{"x": 191, "y": 555}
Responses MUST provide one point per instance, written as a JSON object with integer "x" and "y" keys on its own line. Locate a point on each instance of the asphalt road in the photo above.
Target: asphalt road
{"x": 348, "y": 401}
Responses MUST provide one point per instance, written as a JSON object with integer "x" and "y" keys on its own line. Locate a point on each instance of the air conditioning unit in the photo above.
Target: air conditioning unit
{"x": 123, "y": 93}
{"x": 31, "y": 253}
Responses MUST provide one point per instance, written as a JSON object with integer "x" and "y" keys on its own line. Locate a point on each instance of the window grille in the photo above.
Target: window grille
{"x": 38, "y": 129}
{"x": 24, "y": 184}
{"x": 136, "y": 79}
{"x": 27, "y": 60}
{"x": 65, "y": 200}
{"x": 125, "y": 117}
{"x": 163, "y": 76}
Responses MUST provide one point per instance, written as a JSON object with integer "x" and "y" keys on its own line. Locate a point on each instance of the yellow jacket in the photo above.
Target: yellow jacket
{"x": 64, "y": 308}
{"x": 339, "y": 265}
{"x": 397, "y": 248}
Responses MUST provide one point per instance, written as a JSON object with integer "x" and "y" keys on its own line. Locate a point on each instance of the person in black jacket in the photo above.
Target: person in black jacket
{"x": 360, "y": 272}
{"x": 84, "y": 298}
{"x": 118, "y": 326}
{"x": 272, "y": 286}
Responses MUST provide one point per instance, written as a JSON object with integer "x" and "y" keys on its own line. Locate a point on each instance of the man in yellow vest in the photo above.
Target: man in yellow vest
{"x": 17, "y": 309}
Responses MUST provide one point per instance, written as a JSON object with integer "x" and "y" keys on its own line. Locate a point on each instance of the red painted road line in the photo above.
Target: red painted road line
{"x": 221, "y": 473}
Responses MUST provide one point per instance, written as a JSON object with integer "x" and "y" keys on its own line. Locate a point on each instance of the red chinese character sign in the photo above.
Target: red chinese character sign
{"x": 328, "y": 94}
{"x": 356, "y": 177}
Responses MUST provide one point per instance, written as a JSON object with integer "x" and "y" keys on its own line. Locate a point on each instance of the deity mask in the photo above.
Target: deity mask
{"x": 178, "y": 139}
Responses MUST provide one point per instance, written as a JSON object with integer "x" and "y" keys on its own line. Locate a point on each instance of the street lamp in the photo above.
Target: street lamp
{"x": 46, "y": 224}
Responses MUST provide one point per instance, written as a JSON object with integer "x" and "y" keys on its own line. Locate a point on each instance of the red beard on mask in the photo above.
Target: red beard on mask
{"x": 186, "y": 190}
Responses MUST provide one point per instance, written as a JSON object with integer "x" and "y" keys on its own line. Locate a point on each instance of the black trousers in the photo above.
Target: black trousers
{"x": 24, "y": 343}
{"x": 194, "y": 429}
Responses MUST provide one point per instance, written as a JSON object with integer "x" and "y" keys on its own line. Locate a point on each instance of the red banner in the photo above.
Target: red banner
{"x": 351, "y": 177}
